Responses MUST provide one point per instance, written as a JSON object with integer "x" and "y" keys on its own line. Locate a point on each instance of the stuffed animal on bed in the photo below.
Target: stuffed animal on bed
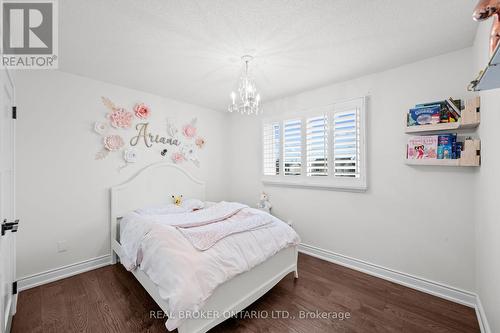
{"x": 177, "y": 199}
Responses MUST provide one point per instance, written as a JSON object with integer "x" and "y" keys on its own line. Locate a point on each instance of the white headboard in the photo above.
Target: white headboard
{"x": 155, "y": 184}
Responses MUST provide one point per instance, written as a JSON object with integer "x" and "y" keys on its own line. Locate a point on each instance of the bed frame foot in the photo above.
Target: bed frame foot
{"x": 296, "y": 274}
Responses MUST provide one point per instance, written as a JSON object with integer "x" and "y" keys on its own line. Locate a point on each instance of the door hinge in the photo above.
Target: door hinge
{"x": 12, "y": 226}
{"x": 14, "y": 112}
{"x": 14, "y": 288}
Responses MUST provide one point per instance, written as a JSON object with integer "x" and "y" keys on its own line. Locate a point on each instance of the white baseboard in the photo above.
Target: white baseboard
{"x": 481, "y": 317}
{"x": 55, "y": 274}
{"x": 430, "y": 287}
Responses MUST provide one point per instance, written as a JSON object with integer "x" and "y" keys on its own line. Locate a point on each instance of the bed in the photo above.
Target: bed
{"x": 156, "y": 181}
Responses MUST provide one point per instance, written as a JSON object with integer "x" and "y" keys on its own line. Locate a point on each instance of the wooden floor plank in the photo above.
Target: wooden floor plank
{"x": 31, "y": 300}
{"x": 76, "y": 301}
{"x": 54, "y": 312}
{"x": 109, "y": 299}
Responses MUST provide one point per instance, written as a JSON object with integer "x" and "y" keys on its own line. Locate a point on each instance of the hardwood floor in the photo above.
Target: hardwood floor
{"x": 109, "y": 299}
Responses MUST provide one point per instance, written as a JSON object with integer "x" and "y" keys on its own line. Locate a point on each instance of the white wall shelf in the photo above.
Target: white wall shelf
{"x": 440, "y": 127}
{"x": 431, "y": 162}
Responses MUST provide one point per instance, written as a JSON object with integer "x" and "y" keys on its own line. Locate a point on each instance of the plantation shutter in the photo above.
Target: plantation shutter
{"x": 271, "y": 149}
{"x": 292, "y": 147}
{"x": 317, "y": 146}
{"x": 346, "y": 143}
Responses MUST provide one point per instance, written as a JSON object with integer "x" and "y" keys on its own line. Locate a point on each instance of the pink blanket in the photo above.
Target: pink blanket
{"x": 206, "y": 235}
{"x": 218, "y": 212}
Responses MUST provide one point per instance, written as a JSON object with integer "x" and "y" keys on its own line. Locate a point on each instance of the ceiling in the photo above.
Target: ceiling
{"x": 190, "y": 49}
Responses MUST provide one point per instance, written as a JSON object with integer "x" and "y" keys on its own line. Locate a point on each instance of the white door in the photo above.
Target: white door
{"x": 7, "y": 202}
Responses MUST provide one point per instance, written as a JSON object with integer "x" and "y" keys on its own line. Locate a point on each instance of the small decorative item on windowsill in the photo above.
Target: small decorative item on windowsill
{"x": 264, "y": 203}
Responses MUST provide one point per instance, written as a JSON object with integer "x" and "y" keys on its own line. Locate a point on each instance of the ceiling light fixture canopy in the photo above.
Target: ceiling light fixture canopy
{"x": 249, "y": 98}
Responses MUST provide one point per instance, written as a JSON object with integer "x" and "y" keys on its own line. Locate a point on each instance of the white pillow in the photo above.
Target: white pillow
{"x": 192, "y": 204}
{"x": 209, "y": 204}
{"x": 161, "y": 209}
{"x": 186, "y": 206}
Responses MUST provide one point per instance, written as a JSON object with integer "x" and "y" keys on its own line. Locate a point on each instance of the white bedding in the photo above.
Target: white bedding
{"x": 186, "y": 277}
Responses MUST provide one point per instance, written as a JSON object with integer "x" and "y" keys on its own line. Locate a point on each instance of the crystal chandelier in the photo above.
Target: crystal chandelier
{"x": 249, "y": 99}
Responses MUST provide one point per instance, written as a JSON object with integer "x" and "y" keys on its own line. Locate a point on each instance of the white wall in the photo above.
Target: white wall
{"x": 411, "y": 218}
{"x": 487, "y": 221}
{"x": 62, "y": 192}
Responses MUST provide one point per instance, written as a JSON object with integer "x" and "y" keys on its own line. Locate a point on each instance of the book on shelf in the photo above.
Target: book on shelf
{"x": 424, "y": 115}
{"x": 454, "y": 106}
{"x": 434, "y": 113}
{"x": 446, "y": 147}
{"x": 422, "y": 147}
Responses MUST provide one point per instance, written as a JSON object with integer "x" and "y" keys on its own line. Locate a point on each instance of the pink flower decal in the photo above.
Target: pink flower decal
{"x": 120, "y": 118}
{"x": 177, "y": 158}
{"x": 113, "y": 142}
{"x": 200, "y": 142}
{"x": 142, "y": 111}
{"x": 189, "y": 131}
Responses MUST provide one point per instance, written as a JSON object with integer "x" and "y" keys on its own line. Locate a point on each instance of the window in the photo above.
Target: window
{"x": 322, "y": 148}
{"x": 346, "y": 143}
{"x": 271, "y": 150}
{"x": 292, "y": 147}
{"x": 317, "y": 146}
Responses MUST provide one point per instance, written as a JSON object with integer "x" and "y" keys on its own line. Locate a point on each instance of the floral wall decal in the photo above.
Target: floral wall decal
{"x": 200, "y": 142}
{"x": 142, "y": 111}
{"x": 130, "y": 155}
{"x": 120, "y": 118}
{"x": 113, "y": 142}
{"x": 110, "y": 143}
{"x": 171, "y": 129}
{"x": 190, "y": 154}
{"x": 101, "y": 154}
{"x": 177, "y": 145}
{"x": 189, "y": 130}
{"x": 177, "y": 157}
{"x": 101, "y": 128}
